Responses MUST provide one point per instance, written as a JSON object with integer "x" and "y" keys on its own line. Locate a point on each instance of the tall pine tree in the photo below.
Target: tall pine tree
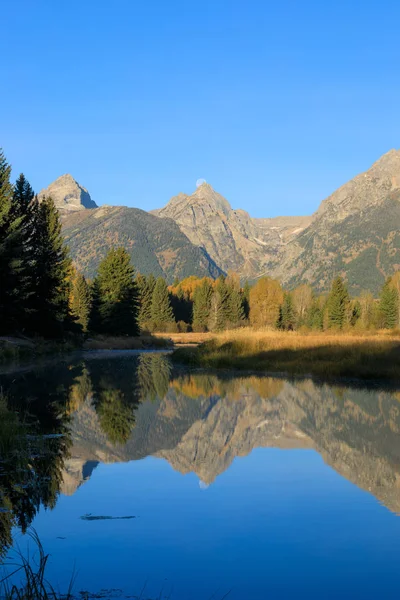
{"x": 23, "y": 195}
{"x": 51, "y": 272}
{"x": 388, "y": 305}
{"x": 26, "y": 208}
{"x": 287, "y": 315}
{"x": 234, "y": 310}
{"x": 201, "y": 305}
{"x": 80, "y": 301}
{"x": 145, "y": 285}
{"x": 338, "y": 304}
{"x": 115, "y": 302}
{"x": 161, "y": 310}
{"x": 11, "y": 251}
{"x": 219, "y": 309}
{"x": 246, "y": 299}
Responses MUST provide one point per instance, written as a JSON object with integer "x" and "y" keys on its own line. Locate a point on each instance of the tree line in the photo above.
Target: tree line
{"x": 205, "y": 305}
{"x": 42, "y": 293}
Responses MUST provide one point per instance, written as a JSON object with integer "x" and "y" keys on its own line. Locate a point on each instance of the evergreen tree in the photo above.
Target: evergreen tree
{"x": 234, "y": 310}
{"x": 219, "y": 309}
{"x": 395, "y": 283}
{"x": 287, "y": 316}
{"x": 11, "y": 251}
{"x": 80, "y": 301}
{"x": 51, "y": 266}
{"x": 388, "y": 305}
{"x": 338, "y": 304}
{"x": 95, "y": 323}
{"x": 355, "y": 312}
{"x": 145, "y": 294}
{"x": 246, "y": 300}
{"x": 201, "y": 305}
{"x": 23, "y": 195}
{"x": 182, "y": 305}
{"x": 115, "y": 306}
{"x": 161, "y": 310}
{"x": 26, "y": 208}
{"x": 314, "y": 316}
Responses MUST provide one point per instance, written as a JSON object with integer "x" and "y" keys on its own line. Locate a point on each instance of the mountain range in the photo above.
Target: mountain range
{"x": 355, "y": 232}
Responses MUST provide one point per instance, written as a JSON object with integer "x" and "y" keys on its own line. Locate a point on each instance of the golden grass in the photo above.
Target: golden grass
{"x": 186, "y": 338}
{"x": 325, "y": 354}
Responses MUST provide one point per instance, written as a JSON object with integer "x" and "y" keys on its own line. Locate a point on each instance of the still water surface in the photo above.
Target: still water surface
{"x": 248, "y": 486}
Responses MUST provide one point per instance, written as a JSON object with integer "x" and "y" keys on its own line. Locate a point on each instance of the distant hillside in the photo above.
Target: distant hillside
{"x": 156, "y": 245}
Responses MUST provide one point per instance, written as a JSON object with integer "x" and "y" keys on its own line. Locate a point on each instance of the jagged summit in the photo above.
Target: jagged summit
{"x": 368, "y": 189}
{"x": 68, "y": 194}
{"x": 204, "y": 197}
{"x": 231, "y": 237}
{"x": 389, "y": 158}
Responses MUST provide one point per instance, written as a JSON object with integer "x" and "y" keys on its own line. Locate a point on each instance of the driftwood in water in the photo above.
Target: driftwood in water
{"x": 91, "y": 517}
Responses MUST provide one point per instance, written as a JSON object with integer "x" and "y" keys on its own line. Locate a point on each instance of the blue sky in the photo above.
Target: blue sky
{"x": 275, "y": 104}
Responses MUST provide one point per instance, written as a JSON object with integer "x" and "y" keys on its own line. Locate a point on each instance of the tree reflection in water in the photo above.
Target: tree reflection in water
{"x": 128, "y": 408}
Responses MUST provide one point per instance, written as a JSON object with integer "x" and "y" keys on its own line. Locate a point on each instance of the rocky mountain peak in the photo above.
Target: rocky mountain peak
{"x": 68, "y": 194}
{"x": 205, "y": 199}
{"x": 389, "y": 159}
{"x": 205, "y": 193}
{"x": 369, "y": 189}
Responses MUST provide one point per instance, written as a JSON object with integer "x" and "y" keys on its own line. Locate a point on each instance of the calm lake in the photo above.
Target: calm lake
{"x": 244, "y": 487}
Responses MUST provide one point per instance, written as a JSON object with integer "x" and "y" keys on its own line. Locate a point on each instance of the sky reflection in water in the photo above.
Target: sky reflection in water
{"x": 228, "y": 480}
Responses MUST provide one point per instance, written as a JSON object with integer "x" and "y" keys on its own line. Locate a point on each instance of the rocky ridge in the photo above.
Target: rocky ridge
{"x": 355, "y": 233}
{"x": 232, "y": 238}
{"x": 68, "y": 194}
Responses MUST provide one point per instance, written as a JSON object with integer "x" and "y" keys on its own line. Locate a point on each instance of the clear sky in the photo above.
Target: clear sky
{"x": 275, "y": 104}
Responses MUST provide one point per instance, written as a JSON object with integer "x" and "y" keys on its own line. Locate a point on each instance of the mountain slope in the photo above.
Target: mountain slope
{"x": 355, "y": 233}
{"x": 156, "y": 245}
{"x": 231, "y": 237}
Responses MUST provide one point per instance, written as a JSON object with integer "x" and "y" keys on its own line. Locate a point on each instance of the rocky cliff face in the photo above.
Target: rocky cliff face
{"x": 68, "y": 194}
{"x": 232, "y": 238}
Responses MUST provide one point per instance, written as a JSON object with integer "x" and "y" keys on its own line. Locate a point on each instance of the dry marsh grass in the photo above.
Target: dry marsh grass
{"x": 327, "y": 355}
{"x": 186, "y": 338}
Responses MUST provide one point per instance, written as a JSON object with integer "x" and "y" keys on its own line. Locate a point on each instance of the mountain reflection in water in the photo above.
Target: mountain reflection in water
{"x": 57, "y": 424}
